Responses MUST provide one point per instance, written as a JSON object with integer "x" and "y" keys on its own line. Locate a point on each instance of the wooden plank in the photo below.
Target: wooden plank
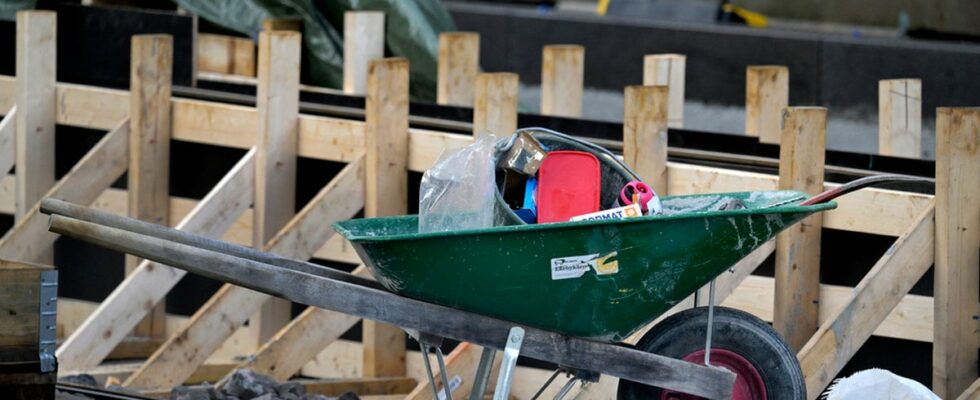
{"x": 148, "y": 180}
{"x": 645, "y": 134}
{"x": 972, "y": 392}
{"x": 562, "y": 79}
{"x": 766, "y": 95}
{"x": 386, "y": 190}
{"x": 911, "y": 319}
{"x": 361, "y": 386}
{"x": 668, "y": 70}
{"x": 242, "y": 57}
{"x": 275, "y": 167}
{"x": 91, "y": 107}
{"x": 459, "y": 62}
{"x": 20, "y": 285}
{"x": 210, "y": 372}
{"x": 461, "y": 364}
{"x": 801, "y": 162}
{"x": 231, "y": 306}
{"x": 7, "y": 133}
{"x": 34, "y": 143}
{"x": 297, "y": 343}
{"x": 214, "y": 53}
{"x": 29, "y": 239}
{"x": 8, "y": 93}
{"x": 957, "y": 278}
{"x": 900, "y": 118}
{"x": 891, "y": 278}
{"x": 495, "y": 104}
{"x": 283, "y": 24}
{"x": 364, "y": 40}
{"x": 130, "y": 301}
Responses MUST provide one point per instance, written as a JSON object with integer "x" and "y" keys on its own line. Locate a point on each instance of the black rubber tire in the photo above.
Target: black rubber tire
{"x": 737, "y": 331}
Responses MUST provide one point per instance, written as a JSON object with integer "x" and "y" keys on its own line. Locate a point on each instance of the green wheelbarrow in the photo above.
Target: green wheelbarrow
{"x": 603, "y": 280}
{"x": 565, "y": 293}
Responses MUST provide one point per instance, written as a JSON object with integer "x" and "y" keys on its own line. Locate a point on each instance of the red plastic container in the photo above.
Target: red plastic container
{"x": 569, "y": 184}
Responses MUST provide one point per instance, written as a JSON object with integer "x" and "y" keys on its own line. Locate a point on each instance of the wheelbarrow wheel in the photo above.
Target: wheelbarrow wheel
{"x": 765, "y": 366}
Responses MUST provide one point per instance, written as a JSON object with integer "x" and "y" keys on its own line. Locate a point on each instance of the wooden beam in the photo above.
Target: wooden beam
{"x": 297, "y": 343}
{"x": 130, "y": 301}
{"x": 801, "y": 161}
{"x": 29, "y": 239}
{"x": 884, "y": 286}
{"x": 225, "y": 54}
{"x": 495, "y": 104}
{"x": 459, "y": 62}
{"x": 386, "y": 190}
{"x": 362, "y": 386}
{"x": 364, "y": 40}
{"x": 283, "y": 24}
{"x": 148, "y": 182}
{"x": 461, "y": 364}
{"x": 900, "y": 118}
{"x": 20, "y": 321}
{"x": 7, "y": 132}
{"x": 957, "y": 277}
{"x": 645, "y": 134}
{"x": 275, "y": 167}
{"x": 231, "y": 306}
{"x": 210, "y": 372}
{"x": 972, "y": 392}
{"x": 766, "y": 95}
{"x": 668, "y": 70}
{"x": 34, "y": 143}
{"x": 562, "y": 80}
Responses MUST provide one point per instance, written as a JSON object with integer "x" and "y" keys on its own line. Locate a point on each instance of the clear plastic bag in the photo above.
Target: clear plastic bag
{"x": 458, "y": 191}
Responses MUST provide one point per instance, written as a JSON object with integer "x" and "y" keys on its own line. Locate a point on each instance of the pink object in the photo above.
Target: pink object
{"x": 643, "y": 191}
{"x": 568, "y": 185}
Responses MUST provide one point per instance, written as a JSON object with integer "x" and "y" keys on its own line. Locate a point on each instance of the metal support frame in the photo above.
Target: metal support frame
{"x": 514, "y": 341}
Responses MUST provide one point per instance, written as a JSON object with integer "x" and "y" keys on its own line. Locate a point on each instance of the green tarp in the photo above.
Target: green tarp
{"x": 411, "y": 30}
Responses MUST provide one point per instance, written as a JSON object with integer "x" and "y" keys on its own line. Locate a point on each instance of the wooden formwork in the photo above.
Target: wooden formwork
{"x": 252, "y": 205}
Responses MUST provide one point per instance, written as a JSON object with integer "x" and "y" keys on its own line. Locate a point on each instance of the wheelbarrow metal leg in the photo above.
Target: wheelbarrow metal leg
{"x": 482, "y": 373}
{"x": 711, "y": 315}
{"x": 428, "y": 370}
{"x": 567, "y": 388}
{"x": 546, "y": 384}
{"x": 446, "y": 384}
{"x": 509, "y": 364}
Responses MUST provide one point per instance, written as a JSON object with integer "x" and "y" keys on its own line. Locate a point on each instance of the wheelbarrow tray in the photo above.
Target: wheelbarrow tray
{"x": 638, "y": 268}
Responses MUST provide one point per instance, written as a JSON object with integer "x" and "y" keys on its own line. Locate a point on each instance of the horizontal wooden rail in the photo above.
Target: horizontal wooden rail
{"x": 883, "y": 212}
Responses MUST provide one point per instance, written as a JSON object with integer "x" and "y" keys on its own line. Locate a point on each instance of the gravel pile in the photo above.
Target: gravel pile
{"x": 247, "y": 385}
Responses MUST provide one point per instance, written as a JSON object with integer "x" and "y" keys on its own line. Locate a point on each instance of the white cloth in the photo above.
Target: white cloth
{"x": 876, "y": 383}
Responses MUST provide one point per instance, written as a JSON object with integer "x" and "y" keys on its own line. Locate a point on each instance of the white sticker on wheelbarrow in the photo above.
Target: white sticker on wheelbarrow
{"x": 576, "y": 266}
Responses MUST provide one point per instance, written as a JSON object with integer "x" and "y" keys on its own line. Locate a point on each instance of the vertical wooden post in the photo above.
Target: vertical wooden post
{"x": 364, "y": 40}
{"x": 562, "y": 78}
{"x": 954, "y": 356}
{"x": 900, "y": 117}
{"x": 386, "y": 139}
{"x": 275, "y": 164}
{"x": 34, "y": 137}
{"x": 668, "y": 70}
{"x": 645, "y": 134}
{"x": 459, "y": 62}
{"x": 151, "y": 60}
{"x": 797, "y": 283}
{"x": 766, "y": 95}
{"x": 495, "y": 104}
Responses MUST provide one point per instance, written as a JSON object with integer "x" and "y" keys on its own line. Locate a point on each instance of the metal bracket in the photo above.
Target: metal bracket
{"x": 47, "y": 321}
{"x": 482, "y": 374}
{"x": 509, "y": 364}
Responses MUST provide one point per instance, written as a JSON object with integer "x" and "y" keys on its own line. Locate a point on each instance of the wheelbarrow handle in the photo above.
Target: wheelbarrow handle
{"x": 856, "y": 184}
